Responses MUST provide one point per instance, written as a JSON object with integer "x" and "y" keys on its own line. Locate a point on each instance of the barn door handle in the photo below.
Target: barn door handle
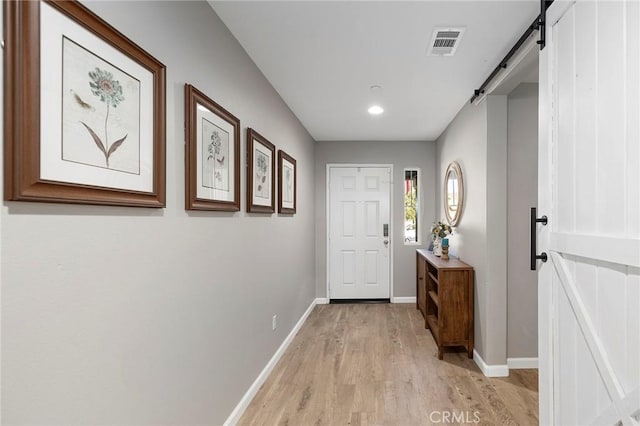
{"x": 534, "y": 249}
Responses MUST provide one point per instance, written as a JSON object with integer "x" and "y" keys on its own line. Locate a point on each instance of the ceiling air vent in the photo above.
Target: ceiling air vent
{"x": 445, "y": 41}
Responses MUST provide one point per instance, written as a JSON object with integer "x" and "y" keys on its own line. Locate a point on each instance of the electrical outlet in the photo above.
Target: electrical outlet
{"x": 274, "y": 322}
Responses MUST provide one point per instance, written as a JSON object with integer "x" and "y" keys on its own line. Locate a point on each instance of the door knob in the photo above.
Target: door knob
{"x": 386, "y": 242}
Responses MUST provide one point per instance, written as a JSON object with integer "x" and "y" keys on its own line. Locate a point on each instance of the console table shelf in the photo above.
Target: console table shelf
{"x": 444, "y": 291}
{"x": 434, "y": 296}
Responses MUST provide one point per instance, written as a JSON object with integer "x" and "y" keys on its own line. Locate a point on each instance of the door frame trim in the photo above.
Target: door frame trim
{"x": 547, "y": 400}
{"x": 329, "y": 166}
{"x": 545, "y": 297}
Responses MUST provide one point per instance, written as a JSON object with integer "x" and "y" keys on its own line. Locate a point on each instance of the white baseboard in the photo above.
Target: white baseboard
{"x": 519, "y": 363}
{"x": 403, "y": 300}
{"x": 322, "y": 301}
{"x": 490, "y": 370}
{"x": 237, "y": 412}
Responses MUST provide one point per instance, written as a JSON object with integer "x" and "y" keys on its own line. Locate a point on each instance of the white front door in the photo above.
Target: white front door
{"x": 589, "y": 171}
{"x": 359, "y": 250}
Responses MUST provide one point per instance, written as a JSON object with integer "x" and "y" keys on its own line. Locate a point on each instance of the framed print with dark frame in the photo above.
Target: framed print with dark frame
{"x": 261, "y": 173}
{"x": 212, "y": 158}
{"x": 287, "y": 183}
{"x": 84, "y": 110}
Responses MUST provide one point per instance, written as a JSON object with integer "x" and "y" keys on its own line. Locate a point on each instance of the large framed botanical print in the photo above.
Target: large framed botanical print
{"x": 212, "y": 157}
{"x": 84, "y": 109}
{"x": 261, "y": 173}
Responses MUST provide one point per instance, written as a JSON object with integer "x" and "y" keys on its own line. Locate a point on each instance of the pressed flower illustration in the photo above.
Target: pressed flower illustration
{"x": 261, "y": 173}
{"x": 289, "y": 181}
{"x": 215, "y": 156}
{"x": 109, "y": 90}
{"x": 214, "y": 145}
{"x": 103, "y": 111}
{"x": 262, "y": 165}
{"x": 214, "y": 149}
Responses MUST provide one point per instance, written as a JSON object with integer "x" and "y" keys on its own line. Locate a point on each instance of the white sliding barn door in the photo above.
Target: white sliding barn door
{"x": 589, "y": 171}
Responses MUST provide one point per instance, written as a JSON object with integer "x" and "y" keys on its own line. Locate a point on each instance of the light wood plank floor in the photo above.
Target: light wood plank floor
{"x": 377, "y": 365}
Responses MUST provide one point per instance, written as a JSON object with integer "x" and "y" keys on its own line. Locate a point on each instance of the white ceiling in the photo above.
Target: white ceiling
{"x": 323, "y": 56}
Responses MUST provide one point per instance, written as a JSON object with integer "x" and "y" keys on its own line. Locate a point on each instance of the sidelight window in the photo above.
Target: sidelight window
{"x": 411, "y": 206}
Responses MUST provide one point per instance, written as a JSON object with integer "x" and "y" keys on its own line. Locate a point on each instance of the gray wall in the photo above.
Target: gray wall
{"x": 496, "y": 146}
{"x": 465, "y": 141}
{"x": 176, "y": 325}
{"x": 522, "y": 340}
{"x": 402, "y": 155}
{"x": 496, "y": 295}
{"x": 476, "y": 139}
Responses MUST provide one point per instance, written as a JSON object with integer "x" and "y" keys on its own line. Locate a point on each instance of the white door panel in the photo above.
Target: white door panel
{"x": 589, "y": 168}
{"x": 359, "y": 258}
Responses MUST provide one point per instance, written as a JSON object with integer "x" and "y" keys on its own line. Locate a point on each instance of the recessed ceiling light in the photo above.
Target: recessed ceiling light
{"x": 375, "y": 110}
{"x": 375, "y": 88}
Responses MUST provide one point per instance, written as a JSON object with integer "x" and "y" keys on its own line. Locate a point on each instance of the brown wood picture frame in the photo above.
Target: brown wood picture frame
{"x": 261, "y": 173}
{"x": 212, "y": 156}
{"x": 287, "y": 183}
{"x": 36, "y": 168}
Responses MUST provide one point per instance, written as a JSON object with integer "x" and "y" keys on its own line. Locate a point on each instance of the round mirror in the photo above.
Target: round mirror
{"x": 453, "y": 193}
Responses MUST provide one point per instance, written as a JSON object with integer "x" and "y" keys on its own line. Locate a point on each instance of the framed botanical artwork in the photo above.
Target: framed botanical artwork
{"x": 287, "y": 183}
{"x": 86, "y": 122}
{"x": 212, "y": 158}
{"x": 261, "y": 173}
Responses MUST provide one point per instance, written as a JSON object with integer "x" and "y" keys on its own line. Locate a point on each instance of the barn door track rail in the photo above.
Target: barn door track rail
{"x": 538, "y": 24}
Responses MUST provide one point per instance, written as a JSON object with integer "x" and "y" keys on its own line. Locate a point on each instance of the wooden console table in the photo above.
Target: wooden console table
{"x": 444, "y": 290}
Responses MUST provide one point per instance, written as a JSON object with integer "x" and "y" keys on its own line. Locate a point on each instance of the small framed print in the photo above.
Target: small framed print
{"x": 287, "y": 183}
{"x": 212, "y": 157}
{"x": 87, "y": 117}
{"x": 261, "y": 174}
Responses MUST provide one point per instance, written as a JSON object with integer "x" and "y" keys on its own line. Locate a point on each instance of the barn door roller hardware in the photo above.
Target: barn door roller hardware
{"x": 538, "y": 24}
{"x": 542, "y": 22}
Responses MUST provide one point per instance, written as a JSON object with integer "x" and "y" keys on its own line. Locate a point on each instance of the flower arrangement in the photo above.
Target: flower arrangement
{"x": 440, "y": 230}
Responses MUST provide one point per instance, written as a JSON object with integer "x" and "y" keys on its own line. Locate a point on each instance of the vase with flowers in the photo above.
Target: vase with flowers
{"x": 439, "y": 230}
